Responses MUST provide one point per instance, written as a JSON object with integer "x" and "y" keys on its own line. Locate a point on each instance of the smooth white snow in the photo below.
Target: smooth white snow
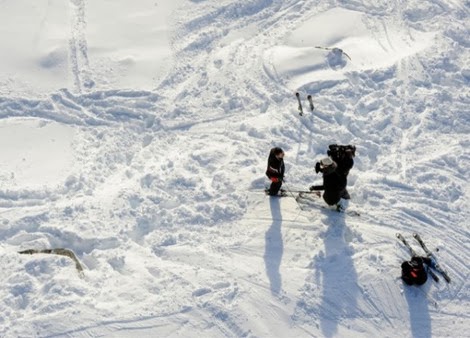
{"x": 78, "y": 44}
{"x": 35, "y": 154}
{"x": 136, "y": 134}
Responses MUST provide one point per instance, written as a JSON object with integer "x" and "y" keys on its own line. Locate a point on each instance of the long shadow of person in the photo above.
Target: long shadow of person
{"x": 274, "y": 247}
{"x": 420, "y": 319}
{"x": 337, "y": 276}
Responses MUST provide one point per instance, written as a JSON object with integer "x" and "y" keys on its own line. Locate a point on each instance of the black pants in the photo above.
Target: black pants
{"x": 333, "y": 197}
{"x": 274, "y": 188}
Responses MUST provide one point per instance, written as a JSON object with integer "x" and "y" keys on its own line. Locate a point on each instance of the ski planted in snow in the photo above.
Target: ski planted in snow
{"x": 310, "y": 101}
{"x": 301, "y": 110}
{"x": 435, "y": 265}
{"x": 413, "y": 254}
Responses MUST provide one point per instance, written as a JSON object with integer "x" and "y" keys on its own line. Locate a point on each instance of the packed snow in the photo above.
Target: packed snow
{"x": 136, "y": 134}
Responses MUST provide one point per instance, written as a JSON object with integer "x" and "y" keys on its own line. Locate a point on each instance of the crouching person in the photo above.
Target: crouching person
{"x": 334, "y": 184}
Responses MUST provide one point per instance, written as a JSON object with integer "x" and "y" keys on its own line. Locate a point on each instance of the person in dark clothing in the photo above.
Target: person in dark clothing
{"x": 414, "y": 271}
{"x": 346, "y": 164}
{"x": 334, "y": 184}
{"x": 343, "y": 156}
{"x": 275, "y": 170}
{"x": 344, "y": 159}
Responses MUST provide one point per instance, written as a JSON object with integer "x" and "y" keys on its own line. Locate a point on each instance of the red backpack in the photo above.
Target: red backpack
{"x": 413, "y": 272}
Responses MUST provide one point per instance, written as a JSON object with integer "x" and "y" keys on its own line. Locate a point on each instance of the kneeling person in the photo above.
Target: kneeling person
{"x": 334, "y": 184}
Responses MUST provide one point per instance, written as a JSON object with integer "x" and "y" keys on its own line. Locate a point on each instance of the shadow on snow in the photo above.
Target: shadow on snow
{"x": 274, "y": 247}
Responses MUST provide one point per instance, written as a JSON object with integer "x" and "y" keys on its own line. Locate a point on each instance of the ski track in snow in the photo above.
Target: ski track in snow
{"x": 78, "y": 48}
{"x": 160, "y": 187}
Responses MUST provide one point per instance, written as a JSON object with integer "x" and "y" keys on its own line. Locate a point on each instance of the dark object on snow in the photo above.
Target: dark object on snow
{"x": 335, "y": 50}
{"x": 59, "y": 251}
{"x": 434, "y": 264}
{"x": 343, "y": 155}
{"x": 414, "y": 254}
{"x": 414, "y": 272}
{"x": 301, "y": 110}
{"x": 310, "y": 101}
{"x": 275, "y": 169}
{"x": 333, "y": 183}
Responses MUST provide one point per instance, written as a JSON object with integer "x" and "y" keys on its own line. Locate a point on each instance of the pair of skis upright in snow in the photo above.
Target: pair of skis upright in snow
{"x": 310, "y": 101}
{"x": 434, "y": 264}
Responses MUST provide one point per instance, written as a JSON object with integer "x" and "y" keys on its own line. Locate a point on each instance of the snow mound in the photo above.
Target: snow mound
{"x": 313, "y": 52}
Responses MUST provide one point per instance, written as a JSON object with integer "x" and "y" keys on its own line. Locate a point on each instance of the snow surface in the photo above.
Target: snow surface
{"x": 136, "y": 134}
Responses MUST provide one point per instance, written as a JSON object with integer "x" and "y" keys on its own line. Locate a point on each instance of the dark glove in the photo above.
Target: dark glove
{"x": 311, "y": 188}
{"x": 317, "y": 167}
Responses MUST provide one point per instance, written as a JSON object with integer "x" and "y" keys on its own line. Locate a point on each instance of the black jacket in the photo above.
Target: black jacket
{"x": 275, "y": 166}
{"x": 333, "y": 185}
{"x": 414, "y": 271}
{"x": 344, "y": 165}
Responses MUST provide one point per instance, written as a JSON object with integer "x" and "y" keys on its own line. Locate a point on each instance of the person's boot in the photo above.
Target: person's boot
{"x": 342, "y": 205}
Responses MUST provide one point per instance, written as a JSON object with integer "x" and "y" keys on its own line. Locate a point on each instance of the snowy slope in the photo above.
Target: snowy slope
{"x": 136, "y": 134}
